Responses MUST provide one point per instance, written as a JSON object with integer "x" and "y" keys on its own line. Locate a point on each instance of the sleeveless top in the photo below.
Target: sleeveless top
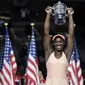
{"x": 57, "y": 67}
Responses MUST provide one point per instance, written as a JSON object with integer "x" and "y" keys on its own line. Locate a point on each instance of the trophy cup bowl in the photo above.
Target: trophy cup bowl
{"x": 59, "y": 12}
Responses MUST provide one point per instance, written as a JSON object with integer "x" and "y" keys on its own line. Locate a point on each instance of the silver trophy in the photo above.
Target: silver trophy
{"x": 59, "y": 11}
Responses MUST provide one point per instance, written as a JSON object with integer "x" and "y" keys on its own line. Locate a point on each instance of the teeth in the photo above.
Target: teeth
{"x": 59, "y": 46}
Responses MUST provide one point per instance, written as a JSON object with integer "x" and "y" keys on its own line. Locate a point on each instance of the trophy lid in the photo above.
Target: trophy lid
{"x": 60, "y": 5}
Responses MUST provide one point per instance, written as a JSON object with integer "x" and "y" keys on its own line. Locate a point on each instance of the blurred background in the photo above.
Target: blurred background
{"x": 23, "y": 12}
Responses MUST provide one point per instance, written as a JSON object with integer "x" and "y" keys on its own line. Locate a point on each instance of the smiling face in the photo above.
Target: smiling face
{"x": 59, "y": 44}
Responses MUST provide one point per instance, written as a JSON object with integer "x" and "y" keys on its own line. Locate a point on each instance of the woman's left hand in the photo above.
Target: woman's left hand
{"x": 70, "y": 11}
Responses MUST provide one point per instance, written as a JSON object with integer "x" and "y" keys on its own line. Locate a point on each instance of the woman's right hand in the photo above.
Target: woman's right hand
{"x": 48, "y": 10}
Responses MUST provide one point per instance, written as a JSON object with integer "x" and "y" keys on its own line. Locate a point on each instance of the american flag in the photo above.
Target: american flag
{"x": 9, "y": 66}
{"x": 1, "y": 57}
{"x": 74, "y": 68}
{"x": 32, "y": 70}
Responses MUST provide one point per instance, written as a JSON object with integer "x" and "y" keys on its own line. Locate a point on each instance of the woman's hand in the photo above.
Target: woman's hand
{"x": 70, "y": 11}
{"x": 48, "y": 10}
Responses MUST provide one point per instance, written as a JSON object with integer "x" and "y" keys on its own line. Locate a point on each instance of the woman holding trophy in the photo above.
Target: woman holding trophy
{"x": 57, "y": 55}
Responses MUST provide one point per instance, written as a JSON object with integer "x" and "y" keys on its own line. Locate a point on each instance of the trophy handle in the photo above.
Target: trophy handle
{"x": 53, "y": 11}
{"x": 66, "y": 12}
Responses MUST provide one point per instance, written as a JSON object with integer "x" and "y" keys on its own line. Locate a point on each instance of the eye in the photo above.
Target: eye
{"x": 55, "y": 42}
{"x": 60, "y": 41}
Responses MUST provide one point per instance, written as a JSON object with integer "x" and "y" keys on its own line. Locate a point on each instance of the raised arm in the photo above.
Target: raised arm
{"x": 70, "y": 42}
{"x": 46, "y": 41}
